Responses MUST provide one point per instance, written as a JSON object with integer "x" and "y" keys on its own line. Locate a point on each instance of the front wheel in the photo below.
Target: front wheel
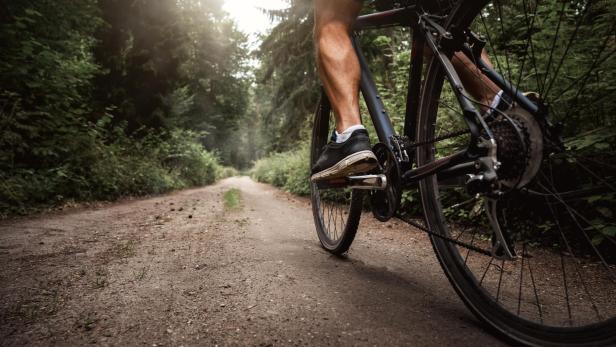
{"x": 558, "y": 210}
{"x": 336, "y": 211}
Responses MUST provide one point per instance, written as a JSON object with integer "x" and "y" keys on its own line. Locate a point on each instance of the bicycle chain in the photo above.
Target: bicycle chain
{"x": 421, "y": 227}
{"x": 439, "y": 139}
{"x": 443, "y": 237}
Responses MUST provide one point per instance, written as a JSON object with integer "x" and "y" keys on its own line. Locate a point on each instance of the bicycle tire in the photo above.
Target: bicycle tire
{"x": 484, "y": 304}
{"x": 336, "y": 211}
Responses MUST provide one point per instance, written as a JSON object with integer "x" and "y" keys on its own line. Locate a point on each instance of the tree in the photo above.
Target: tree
{"x": 46, "y": 69}
{"x": 103, "y": 98}
{"x": 288, "y": 86}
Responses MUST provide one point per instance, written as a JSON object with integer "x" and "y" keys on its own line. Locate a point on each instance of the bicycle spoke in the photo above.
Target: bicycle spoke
{"x": 583, "y": 232}
{"x": 500, "y": 280}
{"x": 566, "y": 287}
{"x": 342, "y": 221}
{"x": 486, "y": 271}
{"x": 335, "y": 219}
{"x": 538, "y": 304}
{"x": 530, "y": 43}
{"x": 325, "y": 208}
{"x": 595, "y": 162}
{"x": 566, "y": 52}
{"x": 521, "y": 278}
{"x": 462, "y": 233}
{"x": 322, "y": 208}
{"x": 464, "y": 203}
{"x": 468, "y": 251}
{"x": 451, "y": 108}
{"x": 581, "y": 81}
{"x": 578, "y": 271}
{"x": 500, "y": 15}
{"x": 329, "y": 219}
{"x": 556, "y": 33}
{"x": 488, "y": 35}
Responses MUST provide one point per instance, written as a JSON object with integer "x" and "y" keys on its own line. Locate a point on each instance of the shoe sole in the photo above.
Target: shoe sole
{"x": 359, "y": 162}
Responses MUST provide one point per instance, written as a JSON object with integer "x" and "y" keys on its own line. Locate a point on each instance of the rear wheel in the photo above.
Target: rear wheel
{"x": 336, "y": 211}
{"x": 559, "y": 207}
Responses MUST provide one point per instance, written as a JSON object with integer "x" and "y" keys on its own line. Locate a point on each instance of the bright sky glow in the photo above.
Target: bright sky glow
{"x": 250, "y": 18}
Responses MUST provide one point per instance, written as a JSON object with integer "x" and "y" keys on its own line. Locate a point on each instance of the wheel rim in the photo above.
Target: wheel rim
{"x": 562, "y": 287}
{"x": 336, "y": 210}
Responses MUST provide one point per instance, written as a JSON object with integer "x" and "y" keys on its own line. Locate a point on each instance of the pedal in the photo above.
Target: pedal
{"x": 364, "y": 182}
{"x": 368, "y": 182}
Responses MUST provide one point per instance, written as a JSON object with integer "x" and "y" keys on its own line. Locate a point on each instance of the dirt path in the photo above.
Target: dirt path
{"x": 182, "y": 270}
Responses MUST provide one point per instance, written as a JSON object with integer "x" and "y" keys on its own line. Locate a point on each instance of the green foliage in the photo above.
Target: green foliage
{"x": 232, "y": 199}
{"x": 172, "y": 64}
{"x": 45, "y": 71}
{"x": 226, "y": 172}
{"x": 186, "y": 158}
{"x": 288, "y": 170}
{"x": 114, "y": 167}
{"x": 108, "y": 98}
{"x": 288, "y": 86}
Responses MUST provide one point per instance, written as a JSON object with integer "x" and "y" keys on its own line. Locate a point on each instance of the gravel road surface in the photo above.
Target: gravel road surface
{"x": 185, "y": 270}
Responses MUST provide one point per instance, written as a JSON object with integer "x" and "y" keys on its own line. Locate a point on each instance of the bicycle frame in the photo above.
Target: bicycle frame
{"x": 443, "y": 45}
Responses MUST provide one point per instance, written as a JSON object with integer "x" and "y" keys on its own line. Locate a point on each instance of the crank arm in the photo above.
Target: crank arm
{"x": 364, "y": 182}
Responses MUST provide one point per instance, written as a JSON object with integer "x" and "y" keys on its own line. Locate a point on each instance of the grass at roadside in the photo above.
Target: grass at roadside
{"x": 232, "y": 198}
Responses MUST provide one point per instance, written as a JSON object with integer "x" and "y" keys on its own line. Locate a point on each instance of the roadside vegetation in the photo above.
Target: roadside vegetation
{"x": 101, "y": 99}
{"x": 287, "y": 170}
{"x": 110, "y": 170}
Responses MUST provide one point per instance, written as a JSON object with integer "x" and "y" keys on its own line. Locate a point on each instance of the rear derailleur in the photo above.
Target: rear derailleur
{"x": 484, "y": 183}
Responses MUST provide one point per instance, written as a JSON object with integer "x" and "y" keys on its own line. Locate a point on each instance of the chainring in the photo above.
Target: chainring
{"x": 385, "y": 202}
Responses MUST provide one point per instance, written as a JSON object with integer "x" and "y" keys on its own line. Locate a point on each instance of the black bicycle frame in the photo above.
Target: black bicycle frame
{"x": 423, "y": 29}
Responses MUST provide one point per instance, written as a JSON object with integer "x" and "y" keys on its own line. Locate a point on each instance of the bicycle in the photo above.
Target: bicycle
{"x": 529, "y": 251}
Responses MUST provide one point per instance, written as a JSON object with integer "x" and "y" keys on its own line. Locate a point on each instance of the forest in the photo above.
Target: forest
{"x": 105, "y": 99}
{"x": 102, "y": 99}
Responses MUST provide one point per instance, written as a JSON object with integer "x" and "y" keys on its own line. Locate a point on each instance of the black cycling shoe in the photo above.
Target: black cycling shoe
{"x": 344, "y": 159}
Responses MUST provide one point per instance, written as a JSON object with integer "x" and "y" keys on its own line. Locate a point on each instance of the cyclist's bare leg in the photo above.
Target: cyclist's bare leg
{"x": 339, "y": 67}
{"x": 476, "y": 83}
{"x": 336, "y": 60}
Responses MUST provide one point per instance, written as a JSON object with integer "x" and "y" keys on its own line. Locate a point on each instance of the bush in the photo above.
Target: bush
{"x": 288, "y": 170}
{"x": 184, "y": 155}
{"x": 227, "y": 171}
{"x": 112, "y": 166}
